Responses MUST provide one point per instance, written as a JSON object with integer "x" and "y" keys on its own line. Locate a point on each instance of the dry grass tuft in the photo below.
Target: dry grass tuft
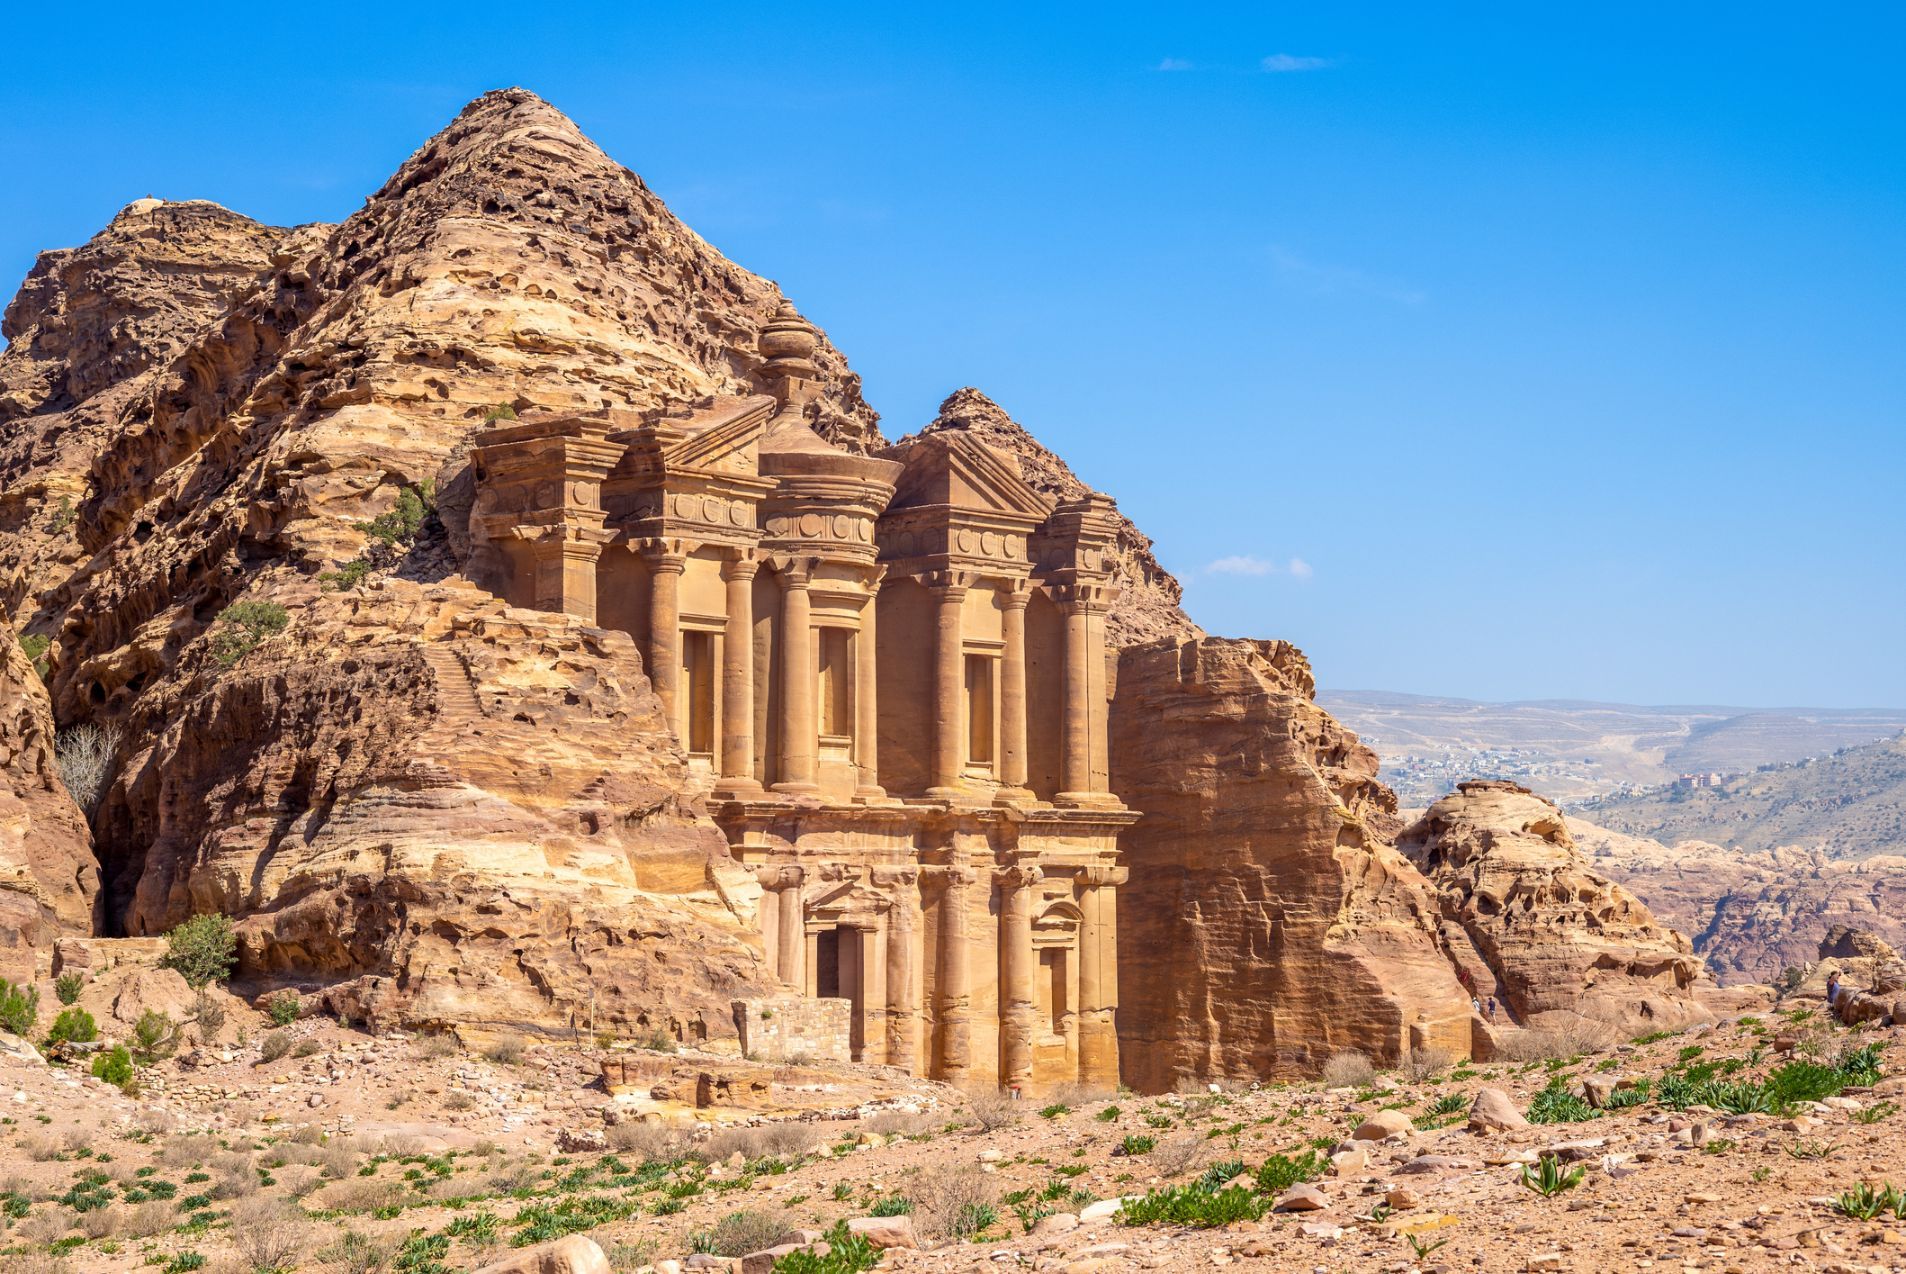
{"x": 1177, "y": 1155}
{"x": 945, "y": 1199}
{"x": 1348, "y": 1070}
{"x": 1549, "y": 1043}
{"x": 269, "y": 1233}
{"x": 740, "y": 1233}
{"x": 993, "y": 1110}
{"x": 648, "y": 1140}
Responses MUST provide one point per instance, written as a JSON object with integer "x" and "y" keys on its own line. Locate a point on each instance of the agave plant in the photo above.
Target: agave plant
{"x": 1549, "y": 1178}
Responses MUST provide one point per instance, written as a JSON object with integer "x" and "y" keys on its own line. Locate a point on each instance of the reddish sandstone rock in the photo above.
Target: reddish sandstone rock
{"x": 1266, "y": 924}
{"x": 1538, "y": 927}
{"x": 49, "y": 885}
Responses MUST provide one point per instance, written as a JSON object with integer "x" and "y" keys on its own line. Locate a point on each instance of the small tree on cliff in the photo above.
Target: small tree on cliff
{"x": 203, "y": 949}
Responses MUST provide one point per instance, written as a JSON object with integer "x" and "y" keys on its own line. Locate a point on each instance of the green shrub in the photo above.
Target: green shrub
{"x": 1194, "y": 1206}
{"x": 242, "y": 625}
{"x": 1055, "y": 1110}
{"x": 274, "y": 1046}
{"x": 892, "y": 1205}
{"x": 283, "y": 1008}
{"x": 847, "y": 1253}
{"x": 1803, "y": 1081}
{"x": 19, "y": 1007}
{"x": 73, "y": 1026}
{"x": 502, "y": 411}
{"x": 203, "y": 949}
{"x": 1557, "y": 1105}
{"x": 67, "y": 987}
{"x": 349, "y": 575}
{"x": 154, "y": 1036}
{"x": 114, "y": 1066}
{"x": 1280, "y": 1172}
{"x": 1137, "y": 1144}
{"x": 1108, "y": 1115}
{"x": 401, "y": 524}
{"x": 35, "y": 648}
{"x": 1549, "y": 1178}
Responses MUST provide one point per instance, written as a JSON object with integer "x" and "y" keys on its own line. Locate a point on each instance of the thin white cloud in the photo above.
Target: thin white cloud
{"x": 1244, "y": 564}
{"x": 1286, "y": 63}
{"x": 1173, "y": 64}
{"x": 1327, "y": 280}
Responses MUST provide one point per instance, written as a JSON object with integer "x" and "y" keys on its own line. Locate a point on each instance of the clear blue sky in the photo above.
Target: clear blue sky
{"x": 1565, "y": 351}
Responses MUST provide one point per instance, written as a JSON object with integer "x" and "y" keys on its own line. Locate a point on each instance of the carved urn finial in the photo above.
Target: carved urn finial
{"x": 788, "y": 343}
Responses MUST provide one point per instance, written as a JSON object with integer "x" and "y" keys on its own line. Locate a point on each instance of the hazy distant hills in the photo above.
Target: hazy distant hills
{"x": 1572, "y": 750}
{"x": 1851, "y": 804}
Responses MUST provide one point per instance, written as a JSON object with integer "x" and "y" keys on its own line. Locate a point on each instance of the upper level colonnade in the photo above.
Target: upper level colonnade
{"x": 915, "y": 625}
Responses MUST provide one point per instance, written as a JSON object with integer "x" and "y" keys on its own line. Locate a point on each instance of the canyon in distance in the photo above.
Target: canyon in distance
{"x": 508, "y": 762}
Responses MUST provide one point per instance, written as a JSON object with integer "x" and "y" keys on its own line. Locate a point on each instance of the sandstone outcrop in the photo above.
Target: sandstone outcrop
{"x": 1753, "y": 915}
{"x": 1266, "y": 924}
{"x": 1533, "y": 924}
{"x": 49, "y": 884}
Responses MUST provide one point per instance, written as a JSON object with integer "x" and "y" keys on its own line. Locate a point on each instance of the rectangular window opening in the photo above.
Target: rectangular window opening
{"x": 837, "y": 682}
{"x": 698, "y": 681}
{"x": 979, "y": 709}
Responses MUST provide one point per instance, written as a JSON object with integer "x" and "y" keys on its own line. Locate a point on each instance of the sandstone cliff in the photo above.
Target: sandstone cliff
{"x": 1266, "y": 924}
{"x": 1753, "y": 915}
{"x": 1533, "y": 924}
{"x": 49, "y": 884}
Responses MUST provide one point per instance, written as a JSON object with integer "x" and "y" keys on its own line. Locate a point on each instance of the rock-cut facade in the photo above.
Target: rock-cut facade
{"x": 888, "y": 670}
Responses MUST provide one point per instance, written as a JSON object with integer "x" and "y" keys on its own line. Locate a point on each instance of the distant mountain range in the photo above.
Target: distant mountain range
{"x": 1573, "y": 750}
{"x": 1849, "y": 804}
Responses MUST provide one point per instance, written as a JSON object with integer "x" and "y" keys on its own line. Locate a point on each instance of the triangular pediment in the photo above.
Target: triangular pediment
{"x": 965, "y": 474}
{"x": 724, "y": 440}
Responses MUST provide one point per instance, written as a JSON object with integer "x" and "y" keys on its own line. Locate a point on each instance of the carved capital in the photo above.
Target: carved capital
{"x": 666, "y": 556}
{"x": 1013, "y": 594}
{"x": 1089, "y": 599}
{"x": 740, "y": 563}
{"x": 1098, "y": 877}
{"x": 793, "y": 572}
{"x": 777, "y": 876}
{"x": 895, "y": 877}
{"x": 1018, "y": 876}
{"x": 948, "y": 585}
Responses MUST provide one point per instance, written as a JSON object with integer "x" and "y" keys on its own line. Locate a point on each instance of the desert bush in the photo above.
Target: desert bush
{"x": 1348, "y": 1070}
{"x": 203, "y": 949}
{"x": 67, "y": 986}
{"x": 46, "y": 1225}
{"x": 900, "y": 1123}
{"x": 115, "y": 1067}
{"x": 401, "y": 524}
{"x": 952, "y": 1201}
{"x": 781, "y": 1140}
{"x": 72, "y": 1026}
{"x": 36, "y": 649}
{"x": 347, "y": 576}
{"x": 508, "y": 1050}
{"x": 1175, "y": 1156}
{"x": 740, "y": 1233}
{"x": 1194, "y": 1206}
{"x": 1425, "y": 1062}
{"x": 283, "y": 1008}
{"x": 188, "y": 1150}
{"x": 85, "y": 754}
{"x": 154, "y": 1036}
{"x": 241, "y": 626}
{"x": 155, "y": 1121}
{"x": 274, "y": 1046}
{"x": 268, "y": 1233}
{"x": 627, "y": 1256}
{"x": 1554, "y": 1043}
{"x": 647, "y": 1141}
{"x": 207, "y": 1014}
{"x": 994, "y": 1109}
{"x": 365, "y": 1194}
{"x": 19, "y": 1007}
{"x": 1280, "y": 1172}
{"x": 442, "y": 1044}
{"x": 154, "y": 1216}
{"x": 354, "y": 1253}
{"x": 1555, "y": 1104}
{"x": 233, "y": 1175}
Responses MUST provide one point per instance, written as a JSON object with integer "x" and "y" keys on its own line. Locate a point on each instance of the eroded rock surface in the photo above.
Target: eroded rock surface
{"x": 1266, "y": 924}
{"x": 1535, "y": 925}
{"x": 49, "y": 885}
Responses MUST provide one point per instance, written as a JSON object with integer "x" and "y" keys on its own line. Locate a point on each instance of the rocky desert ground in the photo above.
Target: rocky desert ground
{"x": 1763, "y": 1141}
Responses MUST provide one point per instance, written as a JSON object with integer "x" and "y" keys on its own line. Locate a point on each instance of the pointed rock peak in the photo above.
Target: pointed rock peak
{"x": 969, "y": 411}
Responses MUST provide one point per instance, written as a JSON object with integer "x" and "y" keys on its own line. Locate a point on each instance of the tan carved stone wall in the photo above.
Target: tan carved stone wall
{"x": 785, "y": 1028}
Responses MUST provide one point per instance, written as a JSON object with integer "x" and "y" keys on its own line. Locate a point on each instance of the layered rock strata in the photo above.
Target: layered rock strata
{"x": 1535, "y": 926}
{"x": 49, "y": 885}
{"x": 1266, "y": 924}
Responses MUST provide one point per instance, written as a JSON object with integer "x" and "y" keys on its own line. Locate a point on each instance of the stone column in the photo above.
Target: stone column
{"x": 1083, "y": 765}
{"x": 873, "y": 993}
{"x": 1098, "y": 978}
{"x": 665, "y": 632}
{"x": 791, "y": 932}
{"x": 1012, "y": 692}
{"x": 566, "y": 573}
{"x": 866, "y": 699}
{"x": 1017, "y": 1009}
{"x": 800, "y": 738}
{"x": 954, "y": 983}
{"x": 949, "y": 684}
{"x": 903, "y": 937}
{"x": 738, "y": 781}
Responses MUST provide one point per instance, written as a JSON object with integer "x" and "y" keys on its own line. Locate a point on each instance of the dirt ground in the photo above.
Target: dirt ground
{"x": 354, "y": 1153}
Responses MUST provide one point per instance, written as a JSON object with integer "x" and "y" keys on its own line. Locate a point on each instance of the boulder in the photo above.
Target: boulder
{"x": 883, "y": 1232}
{"x": 1384, "y": 1125}
{"x": 1493, "y": 1111}
{"x": 571, "y": 1254}
{"x": 1302, "y": 1197}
